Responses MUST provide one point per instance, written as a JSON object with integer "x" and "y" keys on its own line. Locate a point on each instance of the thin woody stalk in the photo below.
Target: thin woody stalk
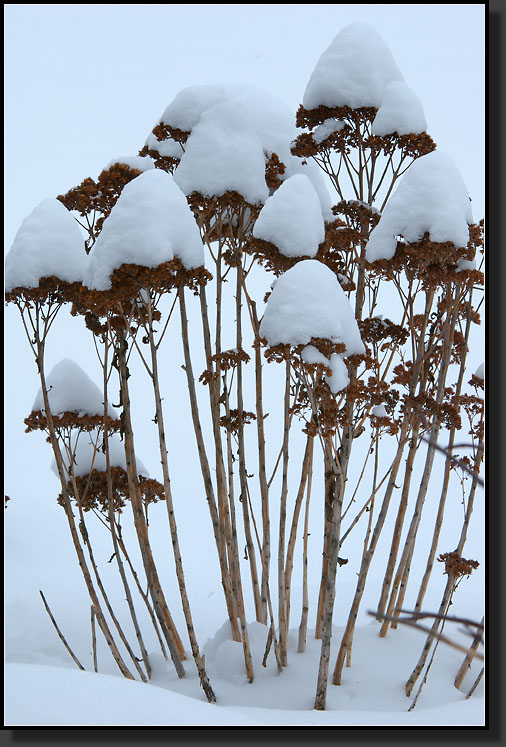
{"x": 282, "y": 612}
{"x": 334, "y": 508}
{"x": 112, "y": 527}
{"x": 60, "y": 634}
{"x": 262, "y": 476}
{"x": 396, "y": 537}
{"x": 225, "y": 530}
{"x": 400, "y": 580}
{"x": 305, "y": 596}
{"x": 40, "y": 345}
{"x": 199, "y": 663}
{"x": 238, "y": 593}
{"x": 242, "y": 452}
{"x": 417, "y": 381}
{"x": 329, "y": 481}
{"x": 306, "y": 464}
{"x": 333, "y": 511}
{"x": 173, "y": 641}
{"x": 466, "y": 664}
{"x": 446, "y": 481}
{"x": 87, "y": 542}
{"x": 347, "y": 638}
{"x": 142, "y": 594}
{"x": 206, "y": 472}
{"x": 450, "y": 585}
{"x": 232, "y": 549}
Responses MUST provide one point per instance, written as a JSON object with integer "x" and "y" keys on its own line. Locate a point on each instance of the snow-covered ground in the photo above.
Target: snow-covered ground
{"x": 38, "y": 695}
{"x": 44, "y": 687}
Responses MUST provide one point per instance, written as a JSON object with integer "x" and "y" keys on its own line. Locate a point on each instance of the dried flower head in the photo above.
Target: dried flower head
{"x": 37, "y": 421}
{"x": 95, "y": 199}
{"x": 92, "y": 490}
{"x": 457, "y": 566}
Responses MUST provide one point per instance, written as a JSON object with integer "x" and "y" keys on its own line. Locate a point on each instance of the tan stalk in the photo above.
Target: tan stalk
{"x": 272, "y": 627}
{"x": 349, "y": 630}
{"x": 396, "y": 537}
{"x": 233, "y": 544}
{"x": 333, "y": 504}
{"x": 60, "y": 634}
{"x": 206, "y": 473}
{"x": 87, "y": 541}
{"x": 435, "y": 643}
{"x": 329, "y": 481}
{"x": 282, "y": 616}
{"x": 476, "y": 683}
{"x": 446, "y": 481}
{"x": 93, "y": 639}
{"x": 417, "y": 381}
{"x": 40, "y": 344}
{"x": 119, "y": 562}
{"x": 232, "y": 549}
{"x": 466, "y": 664}
{"x": 370, "y": 504}
{"x": 301, "y": 647}
{"x": 199, "y": 662}
{"x": 400, "y": 581}
{"x": 112, "y": 524}
{"x": 448, "y": 592}
{"x": 306, "y": 464}
{"x": 141, "y": 591}
{"x": 243, "y": 475}
{"x": 167, "y": 626}
{"x": 262, "y": 475}
{"x": 225, "y": 530}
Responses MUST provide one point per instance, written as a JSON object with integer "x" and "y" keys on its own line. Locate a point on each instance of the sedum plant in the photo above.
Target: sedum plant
{"x": 363, "y": 231}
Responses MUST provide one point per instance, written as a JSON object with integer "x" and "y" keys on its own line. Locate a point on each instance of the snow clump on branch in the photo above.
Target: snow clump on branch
{"x": 229, "y": 132}
{"x": 358, "y": 70}
{"x": 307, "y": 302}
{"x": 431, "y": 197}
{"x": 291, "y": 218}
{"x": 150, "y": 224}
{"x": 47, "y": 244}
{"x": 231, "y": 128}
{"x": 86, "y": 456}
{"x": 138, "y": 163}
{"x": 70, "y": 389}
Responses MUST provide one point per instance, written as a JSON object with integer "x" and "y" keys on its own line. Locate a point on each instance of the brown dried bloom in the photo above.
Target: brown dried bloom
{"x": 92, "y": 490}
{"x": 129, "y": 280}
{"x": 98, "y": 197}
{"x": 355, "y": 131}
{"x": 50, "y": 290}
{"x": 457, "y": 566}
{"x": 236, "y": 420}
{"x": 37, "y": 420}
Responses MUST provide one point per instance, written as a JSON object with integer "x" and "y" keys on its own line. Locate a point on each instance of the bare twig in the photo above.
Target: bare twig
{"x": 458, "y": 462}
{"x": 432, "y": 633}
{"x": 62, "y": 637}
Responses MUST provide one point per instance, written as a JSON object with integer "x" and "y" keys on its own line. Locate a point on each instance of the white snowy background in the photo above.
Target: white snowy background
{"x": 85, "y": 84}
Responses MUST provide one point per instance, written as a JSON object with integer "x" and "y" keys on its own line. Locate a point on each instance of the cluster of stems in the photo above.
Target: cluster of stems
{"x": 415, "y": 366}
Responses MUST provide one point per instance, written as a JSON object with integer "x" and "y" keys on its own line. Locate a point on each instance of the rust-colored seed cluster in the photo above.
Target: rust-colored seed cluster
{"x": 355, "y": 132}
{"x": 38, "y": 421}
{"x": 457, "y": 566}
{"x": 98, "y": 196}
{"x": 92, "y": 491}
{"x": 236, "y": 420}
{"x": 50, "y": 290}
{"x": 129, "y": 280}
{"x": 434, "y": 263}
